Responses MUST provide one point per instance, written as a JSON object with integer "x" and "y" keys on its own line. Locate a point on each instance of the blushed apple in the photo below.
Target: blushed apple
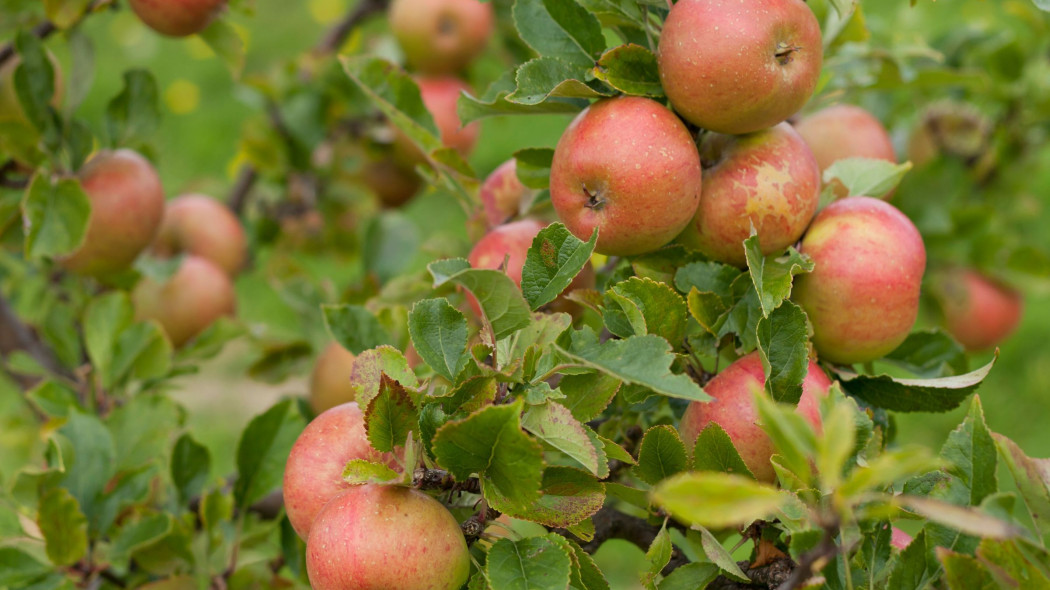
{"x": 199, "y": 225}
{"x": 330, "y": 379}
{"x": 978, "y": 311}
{"x": 845, "y": 131}
{"x": 198, "y": 294}
{"x": 441, "y": 36}
{"x": 177, "y": 18}
{"x": 502, "y": 193}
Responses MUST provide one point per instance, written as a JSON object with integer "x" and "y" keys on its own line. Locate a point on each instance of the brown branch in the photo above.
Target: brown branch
{"x": 246, "y": 179}
{"x": 336, "y": 36}
{"x": 7, "y": 181}
{"x": 770, "y": 576}
{"x": 437, "y": 479}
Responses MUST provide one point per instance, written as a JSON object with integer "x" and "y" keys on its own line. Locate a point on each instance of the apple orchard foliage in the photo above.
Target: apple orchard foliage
{"x": 533, "y": 414}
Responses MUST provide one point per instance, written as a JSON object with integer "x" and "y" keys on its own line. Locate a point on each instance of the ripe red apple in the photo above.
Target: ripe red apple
{"x": 201, "y": 226}
{"x": 734, "y": 410}
{"x": 900, "y": 539}
{"x": 375, "y": 537}
{"x": 330, "y": 379}
{"x": 392, "y": 182}
{"x": 313, "y": 474}
{"x": 863, "y": 296}
{"x": 629, "y": 167}
{"x": 177, "y": 18}
{"x": 845, "y": 131}
{"x": 502, "y": 193}
{"x": 127, "y": 204}
{"x": 978, "y": 311}
{"x": 441, "y": 36}
{"x": 191, "y": 300}
{"x": 767, "y": 180}
{"x": 737, "y": 67}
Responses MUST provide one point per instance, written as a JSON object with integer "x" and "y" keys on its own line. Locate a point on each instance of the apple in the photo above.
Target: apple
{"x": 502, "y": 193}
{"x": 734, "y": 410}
{"x": 863, "y": 295}
{"x": 845, "y": 131}
{"x": 953, "y": 128}
{"x": 127, "y": 205}
{"x": 978, "y": 311}
{"x": 439, "y": 95}
{"x": 738, "y": 67}
{"x": 900, "y": 539}
{"x": 10, "y": 108}
{"x": 313, "y": 473}
{"x": 201, "y": 226}
{"x": 629, "y": 167}
{"x": 330, "y": 379}
{"x": 441, "y": 36}
{"x": 177, "y": 18}
{"x": 375, "y": 537}
{"x": 197, "y": 295}
{"x": 767, "y": 180}
{"x": 393, "y": 183}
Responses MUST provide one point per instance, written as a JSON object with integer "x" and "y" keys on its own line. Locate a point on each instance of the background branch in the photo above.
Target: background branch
{"x": 48, "y": 28}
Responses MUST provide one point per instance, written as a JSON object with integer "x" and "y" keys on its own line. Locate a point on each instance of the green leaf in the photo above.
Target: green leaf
{"x": 657, "y": 557}
{"x": 89, "y": 460}
{"x": 554, "y": 424}
{"x": 226, "y": 43}
{"x": 53, "y": 398}
{"x": 439, "y": 333}
{"x": 641, "y": 360}
{"x": 773, "y": 276}
{"x": 387, "y": 237}
{"x": 533, "y": 167}
{"x": 568, "y": 497}
{"x": 867, "y": 176}
{"x": 888, "y": 468}
{"x": 64, "y": 527}
{"x": 190, "y": 467}
{"x": 263, "y": 450}
{"x": 963, "y": 572}
{"x": 843, "y": 7}
{"x": 913, "y": 395}
{"x": 714, "y": 451}
{"x": 1032, "y": 478}
{"x": 500, "y": 299}
{"x": 34, "y": 79}
{"x": 397, "y": 96}
{"x": 691, "y": 576}
{"x": 65, "y": 13}
{"x": 280, "y": 360}
{"x": 56, "y": 216}
{"x": 660, "y": 455}
{"x": 142, "y": 429}
{"x": 965, "y": 519}
{"x": 663, "y": 311}
{"x": 915, "y": 568}
{"x": 1015, "y": 564}
{"x": 713, "y": 550}
{"x": 19, "y": 569}
{"x": 142, "y": 351}
{"x": 354, "y": 327}
{"x": 553, "y": 261}
{"x": 390, "y": 416}
{"x": 140, "y": 534}
{"x": 929, "y": 354}
{"x": 541, "y": 80}
{"x": 972, "y": 456}
{"x": 590, "y": 577}
{"x": 837, "y": 443}
{"x": 491, "y": 444}
{"x": 105, "y": 317}
{"x": 783, "y": 339}
{"x": 631, "y": 69}
{"x": 133, "y": 116}
{"x": 534, "y": 563}
{"x": 495, "y": 102}
{"x": 559, "y": 28}
{"x": 717, "y": 499}
{"x": 1042, "y": 5}
{"x": 361, "y": 471}
{"x": 588, "y": 394}
{"x": 370, "y": 366}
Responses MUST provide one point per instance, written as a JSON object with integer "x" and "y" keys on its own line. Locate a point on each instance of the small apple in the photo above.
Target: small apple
{"x": 629, "y": 167}
{"x": 900, "y": 539}
{"x": 954, "y": 129}
{"x": 863, "y": 295}
{"x": 767, "y": 180}
{"x": 127, "y": 204}
{"x": 201, "y": 226}
{"x": 502, "y": 193}
{"x": 734, "y": 410}
{"x": 330, "y": 379}
{"x": 177, "y": 18}
{"x": 738, "y": 67}
{"x": 313, "y": 474}
{"x": 393, "y": 183}
{"x": 441, "y": 36}
{"x": 197, "y": 295}
{"x": 375, "y": 537}
{"x": 845, "y": 131}
{"x": 978, "y": 311}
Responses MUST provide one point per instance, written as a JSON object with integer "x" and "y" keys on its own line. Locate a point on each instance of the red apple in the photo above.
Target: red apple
{"x": 766, "y": 180}
{"x": 900, "y": 539}
{"x": 737, "y": 67}
{"x": 127, "y": 204}
{"x": 177, "y": 18}
{"x": 978, "y": 311}
{"x": 197, "y": 295}
{"x": 863, "y": 296}
{"x": 502, "y": 193}
{"x": 313, "y": 474}
{"x": 441, "y": 36}
{"x": 629, "y": 167}
{"x": 845, "y": 131}
{"x": 734, "y": 410}
{"x": 201, "y": 226}
{"x": 375, "y": 537}
{"x": 330, "y": 379}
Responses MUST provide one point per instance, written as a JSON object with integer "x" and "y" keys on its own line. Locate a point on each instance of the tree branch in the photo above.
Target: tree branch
{"x": 48, "y": 28}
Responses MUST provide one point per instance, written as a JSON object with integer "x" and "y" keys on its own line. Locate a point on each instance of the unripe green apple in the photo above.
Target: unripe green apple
{"x": 375, "y": 537}
{"x": 845, "y": 131}
{"x": 735, "y": 66}
{"x": 766, "y": 180}
{"x": 441, "y": 36}
{"x": 177, "y": 18}
{"x": 734, "y": 410}
{"x": 978, "y": 311}
{"x": 313, "y": 474}
{"x": 439, "y": 95}
{"x": 502, "y": 193}
{"x": 330, "y": 379}
{"x": 863, "y": 295}
{"x": 201, "y": 226}
{"x": 197, "y": 295}
{"x": 629, "y": 167}
{"x": 127, "y": 204}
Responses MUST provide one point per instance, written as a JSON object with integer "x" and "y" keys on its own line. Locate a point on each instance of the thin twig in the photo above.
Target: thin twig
{"x": 48, "y": 28}
{"x": 241, "y": 188}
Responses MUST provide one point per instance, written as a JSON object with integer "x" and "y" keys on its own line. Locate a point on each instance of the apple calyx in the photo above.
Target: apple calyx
{"x": 594, "y": 200}
{"x": 784, "y": 52}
